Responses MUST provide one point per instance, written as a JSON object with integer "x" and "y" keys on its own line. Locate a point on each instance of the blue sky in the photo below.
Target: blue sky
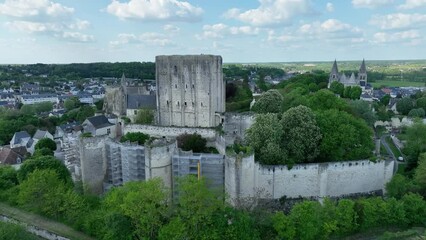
{"x": 65, "y": 31}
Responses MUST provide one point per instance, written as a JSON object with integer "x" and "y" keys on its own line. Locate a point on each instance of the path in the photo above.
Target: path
{"x": 42, "y": 222}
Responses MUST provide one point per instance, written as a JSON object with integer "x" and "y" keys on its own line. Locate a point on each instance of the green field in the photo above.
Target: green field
{"x": 386, "y": 83}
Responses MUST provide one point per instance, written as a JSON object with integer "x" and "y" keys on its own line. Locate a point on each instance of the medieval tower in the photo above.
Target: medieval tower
{"x": 190, "y": 90}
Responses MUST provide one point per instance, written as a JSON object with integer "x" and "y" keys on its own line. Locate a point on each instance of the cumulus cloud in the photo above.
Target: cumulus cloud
{"x": 329, "y": 7}
{"x": 171, "y": 28}
{"x": 44, "y": 17}
{"x": 370, "y": 3}
{"x": 331, "y": 28}
{"x": 411, "y": 4}
{"x": 272, "y": 12}
{"x": 155, "y": 10}
{"x": 77, "y": 37}
{"x": 412, "y": 37}
{"x": 34, "y": 8}
{"x": 221, "y": 30}
{"x": 398, "y": 21}
{"x": 149, "y": 38}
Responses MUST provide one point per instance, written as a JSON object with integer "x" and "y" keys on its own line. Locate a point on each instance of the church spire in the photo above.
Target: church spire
{"x": 123, "y": 80}
{"x": 363, "y": 69}
{"x": 334, "y": 69}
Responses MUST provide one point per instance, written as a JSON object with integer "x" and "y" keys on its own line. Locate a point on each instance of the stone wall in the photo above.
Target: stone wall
{"x": 114, "y": 101}
{"x": 93, "y": 163}
{"x": 170, "y": 132}
{"x": 158, "y": 160}
{"x": 190, "y": 90}
{"x": 236, "y": 124}
{"x": 245, "y": 178}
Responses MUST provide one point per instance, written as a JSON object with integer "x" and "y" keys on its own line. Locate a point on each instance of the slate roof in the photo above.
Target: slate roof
{"x": 20, "y": 135}
{"x": 99, "y": 121}
{"x": 40, "y": 134}
{"x": 141, "y": 101}
{"x": 69, "y": 126}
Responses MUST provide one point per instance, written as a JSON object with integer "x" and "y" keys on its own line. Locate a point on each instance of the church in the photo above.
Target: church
{"x": 359, "y": 80}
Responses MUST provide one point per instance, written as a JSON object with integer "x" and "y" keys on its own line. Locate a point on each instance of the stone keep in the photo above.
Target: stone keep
{"x": 190, "y": 90}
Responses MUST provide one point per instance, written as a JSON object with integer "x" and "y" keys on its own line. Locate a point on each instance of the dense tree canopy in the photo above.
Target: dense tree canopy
{"x": 46, "y": 143}
{"x": 301, "y": 135}
{"x": 269, "y": 102}
{"x": 404, "y": 105}
{"x": 415, "y": 145}
{"x": 144, "y": 116}
{"x": 44, "y": 162}
{"x": 344, "y": 136}
{"x": 138, "y": 137}
{"x": 194, "y": 142}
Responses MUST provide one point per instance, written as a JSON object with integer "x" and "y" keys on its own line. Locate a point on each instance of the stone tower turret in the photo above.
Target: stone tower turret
{"x": 362, "y": 75}
{"x": 334, "y": 75}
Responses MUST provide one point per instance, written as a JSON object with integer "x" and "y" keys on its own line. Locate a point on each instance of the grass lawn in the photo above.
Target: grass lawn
{"x": 390, "y": 83}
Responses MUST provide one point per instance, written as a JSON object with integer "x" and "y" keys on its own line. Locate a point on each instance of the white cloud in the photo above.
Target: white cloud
{"x": 329, "y": 7}
{"x": 34, "y": 27}
{"x": 34, "y": 8}
{"x": 398, "y": 20}
{"x": 79, "y": 25}
{"x": 371, "y": 3}
{"x": 155, "y": 10}
{"x": 77, "y": 37}
{"x": 410, "y": 4}
{"x": 171, "y": 28}
{"x": 412, "y": 37}
{"x": 221, "y": 30}
{"x": 149, "y": 38}
{"x": 272, "y": 12}
{"x": 332, "y": 28}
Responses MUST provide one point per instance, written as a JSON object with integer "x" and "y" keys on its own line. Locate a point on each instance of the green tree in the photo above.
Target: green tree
{"x": 43, "y": 152}
{"x": 324, "y": 99}
{"x": 337, "y": 88}
{"x": 385, "y": 100}
{"x": 362, "y": 109}
{"x": 301, "y": 135}
{"x": 46, "y": 143}
{"x": 44, "y": 162}
{"x": 193, "y": 142}
{"x": 398, "y": 186}
{"x": 144, "y": 116}
{"x": 346, "y": 217}
{"x": 85, "y": 112}
{"x": 404, "y": 105}
{"x": 284, "y": 226}
{"x": 72, "y": 103}
{"x": 344, "y": 136}
{"x": 421, "y": 103}
{"x": 417, "y": 112}
{"x": 99, "y": 104}
{"x": 196, "y": 206}
{"x": 415, "y": 208}
{"x": 355, "y": 93}
{"x": 306, "y": 217}
{"x": 420, "y": 173}
{"x": 266, "y": 131}
{"x": 46, "y": 193}
{"x": 416, "y": 144}
{"x": 138, "y": 137}
{"x": 145, "y": 203}
{"x": 269, "y": 102}
{"x": 8, "y": 177}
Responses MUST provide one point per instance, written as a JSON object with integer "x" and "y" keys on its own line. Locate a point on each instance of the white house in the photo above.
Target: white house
{"x": 99, "y": 126}
{"x": 37, "y": 136}
{"x": 31, "y": 99}
{"x": 20, "y": 139}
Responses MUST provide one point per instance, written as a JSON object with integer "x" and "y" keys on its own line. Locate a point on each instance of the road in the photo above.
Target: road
{"x": 385, "y": 144}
